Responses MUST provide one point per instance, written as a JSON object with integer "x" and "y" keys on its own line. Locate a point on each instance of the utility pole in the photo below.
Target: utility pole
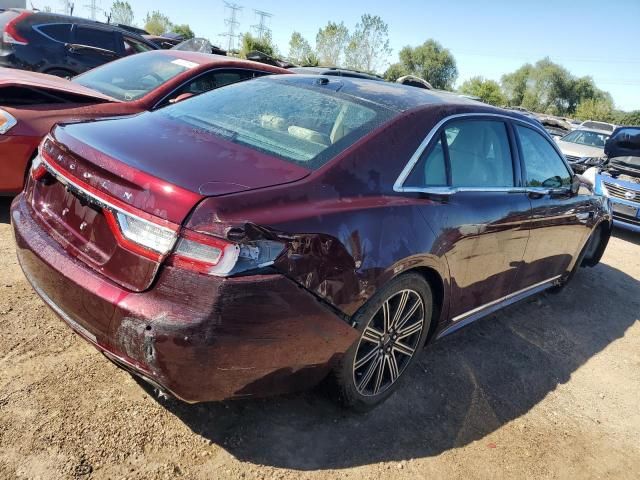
{"x": 261, "y": 28}
{"x": 68, "y": 7}
{"x": 94, "y": 9}
{"x": 232, "y": 24}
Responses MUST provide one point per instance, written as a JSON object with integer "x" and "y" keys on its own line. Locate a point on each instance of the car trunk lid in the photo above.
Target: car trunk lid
{"x": 121, "y": 212}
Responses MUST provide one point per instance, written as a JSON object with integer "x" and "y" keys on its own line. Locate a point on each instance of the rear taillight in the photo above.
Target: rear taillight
{"x": 10, "y": 33}
{"x": 140, "y": 236}
{"x": 38, "y": 168}
{"x": 215, "y": 256}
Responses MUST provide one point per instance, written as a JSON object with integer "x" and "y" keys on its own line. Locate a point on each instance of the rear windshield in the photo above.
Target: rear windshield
{"x": 302, "y": 124}
{"x": 133, "y": 77}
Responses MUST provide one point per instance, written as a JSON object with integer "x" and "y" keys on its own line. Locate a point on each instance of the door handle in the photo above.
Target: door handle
{"x": 583, "y": 216}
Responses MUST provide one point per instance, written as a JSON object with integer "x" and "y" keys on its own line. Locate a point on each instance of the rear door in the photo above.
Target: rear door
{"x": 92, "y": 46}
{"x": 471, "y": 172}
{"x": 560, "y": 221}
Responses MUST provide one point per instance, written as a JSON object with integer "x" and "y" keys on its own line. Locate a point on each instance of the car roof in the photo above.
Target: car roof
{"x": 336, "y": 71}
{"x": 206, "y": 59}
{"x": 58, "y": 17}
{"x": 395, "y": 96}
{"x": 593, "y": 130}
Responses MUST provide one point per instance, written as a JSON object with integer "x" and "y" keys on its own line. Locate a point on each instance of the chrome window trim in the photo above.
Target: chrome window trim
{"x": 399, "y": 187}
{"x": 38, "y": 28}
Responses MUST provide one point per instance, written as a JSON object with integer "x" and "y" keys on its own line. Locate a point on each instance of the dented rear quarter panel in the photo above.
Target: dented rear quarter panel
{"x": 347, "y": 232}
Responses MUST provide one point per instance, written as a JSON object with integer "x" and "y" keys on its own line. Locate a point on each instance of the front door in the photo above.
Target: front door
{"x": 560, "y": 221}
{"x": 479, "y": 213}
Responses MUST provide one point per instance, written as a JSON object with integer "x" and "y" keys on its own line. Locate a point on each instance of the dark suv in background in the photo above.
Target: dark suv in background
{"x": 62, "y": 45}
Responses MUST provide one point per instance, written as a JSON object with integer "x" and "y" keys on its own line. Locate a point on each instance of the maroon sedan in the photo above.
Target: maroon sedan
{"x": 31, "y": 103}
{"x": 262, "y": 237}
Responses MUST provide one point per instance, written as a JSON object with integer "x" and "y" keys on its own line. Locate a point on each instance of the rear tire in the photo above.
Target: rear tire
{"x": 393, "y": 328}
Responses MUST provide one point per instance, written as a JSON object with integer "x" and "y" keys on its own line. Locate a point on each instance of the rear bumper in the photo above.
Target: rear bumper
{"x": 199, "y": 338}
{"x": 15, "y": 153}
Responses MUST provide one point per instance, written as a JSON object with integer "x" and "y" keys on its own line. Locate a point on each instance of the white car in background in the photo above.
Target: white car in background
{"x": 584, "y": 148}
{"x": 603, "y": 126}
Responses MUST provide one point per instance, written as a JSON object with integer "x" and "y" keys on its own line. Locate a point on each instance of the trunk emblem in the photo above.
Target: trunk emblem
{"x": 127, "y": 195}
{"x": 87, "y": 175}
{"x": 60, "y": 157}
{"x": 72, "y": 166}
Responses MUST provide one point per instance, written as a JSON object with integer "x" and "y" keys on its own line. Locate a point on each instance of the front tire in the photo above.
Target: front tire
{"x": 393, "y": 328}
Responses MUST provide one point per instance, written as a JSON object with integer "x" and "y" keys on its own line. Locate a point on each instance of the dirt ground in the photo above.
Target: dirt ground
{"x": 549, "y": 388}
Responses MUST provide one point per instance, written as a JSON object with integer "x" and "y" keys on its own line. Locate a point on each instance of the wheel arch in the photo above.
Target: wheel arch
{"x": 437, "y": 285}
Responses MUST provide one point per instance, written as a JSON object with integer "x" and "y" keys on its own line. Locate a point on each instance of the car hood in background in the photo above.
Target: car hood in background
{"x": 579, "y": 151}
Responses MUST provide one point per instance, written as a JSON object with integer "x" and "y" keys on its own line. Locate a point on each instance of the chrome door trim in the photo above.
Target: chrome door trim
{"x": 488, "y": 308}
{"x": 399, "y": 187}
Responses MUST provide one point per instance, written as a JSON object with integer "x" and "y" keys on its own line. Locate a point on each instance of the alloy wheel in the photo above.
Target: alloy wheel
{"x": 388, "y": 343}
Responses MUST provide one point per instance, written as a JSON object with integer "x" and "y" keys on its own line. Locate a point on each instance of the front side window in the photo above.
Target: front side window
{"x": 294, "y": 121}
{"x": 478, "y": 156}
{"x": 544, "y": 166}
{"x": 131, "y": 46}
{"x": 132, "y": 77}
{"x": 210, "y": 81}
{"x": 95, "y": 37}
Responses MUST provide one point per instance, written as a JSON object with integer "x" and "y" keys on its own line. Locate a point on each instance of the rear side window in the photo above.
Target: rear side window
{"x": 60, "y": 32}
{"x": 95, "y": 37}
{"x": 544, "y": 166}
{"x": 476, "y": 152}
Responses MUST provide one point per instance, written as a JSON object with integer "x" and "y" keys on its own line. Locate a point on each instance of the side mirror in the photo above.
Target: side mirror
{"x": 580, "y": 181}
{"x": 181, "y": 97}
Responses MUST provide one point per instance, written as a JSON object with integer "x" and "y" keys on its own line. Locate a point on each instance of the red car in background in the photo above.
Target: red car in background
{"x": 31, "y": 103}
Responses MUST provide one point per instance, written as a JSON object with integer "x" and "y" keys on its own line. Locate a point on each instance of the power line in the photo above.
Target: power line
{"x": 232, "y": 24}
{"x": 67, "y": 8}
{"x": 261, "y": 28}
{"x": 94, "y": 9}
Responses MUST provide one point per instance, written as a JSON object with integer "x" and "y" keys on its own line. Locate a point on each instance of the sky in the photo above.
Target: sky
{"x": 599, "y": 38}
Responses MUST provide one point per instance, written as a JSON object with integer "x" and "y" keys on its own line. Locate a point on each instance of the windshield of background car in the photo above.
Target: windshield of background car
{"x": 133, "y": 77}
{"x": 587, "y": 137}
{"x": 298, "y": 123}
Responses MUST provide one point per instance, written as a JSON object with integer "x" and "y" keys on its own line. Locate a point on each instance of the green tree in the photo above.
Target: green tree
{"x": 368, "y": 48}
{"x": 514, "y": 85}
{"x": 330, "y": 44}
{"x": 595, "y": 109}
{"x": 251, "y": 43}
{"x": 156, "y": 23}
{"x": 184, "y": 30}
{"x": 550, "y": 88}
{"x": 310, "y": 60}
{"x": 627, "y": 118}
{"x": 299, "y": 49}
{"x": 395, "y": 71}
{"x": 430, "y": 61}
{"x": 488, "y": 91}
{"x": 122, "y": 13}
